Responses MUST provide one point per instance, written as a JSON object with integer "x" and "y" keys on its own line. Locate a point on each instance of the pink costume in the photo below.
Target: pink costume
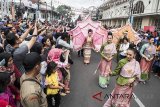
{"x": 107, "y": 50}
{"x": 124, "y": 87}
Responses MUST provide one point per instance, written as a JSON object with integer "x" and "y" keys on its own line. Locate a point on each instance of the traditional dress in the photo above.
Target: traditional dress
{"x": 87, "y": 50}
{"x": 149, "y": 51}
{"x": 122, "y": 93}
{"x": 107, "y": 50}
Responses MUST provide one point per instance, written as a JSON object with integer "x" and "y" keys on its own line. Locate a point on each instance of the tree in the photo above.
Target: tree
{"x": 63, "y": 9}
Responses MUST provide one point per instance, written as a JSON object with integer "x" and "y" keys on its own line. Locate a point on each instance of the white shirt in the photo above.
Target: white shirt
{"x": 123, "y": 48}
{"x": 65, "y": 44}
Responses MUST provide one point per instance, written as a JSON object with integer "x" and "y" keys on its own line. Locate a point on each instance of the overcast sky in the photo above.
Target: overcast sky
{"x": 78, "y": 3}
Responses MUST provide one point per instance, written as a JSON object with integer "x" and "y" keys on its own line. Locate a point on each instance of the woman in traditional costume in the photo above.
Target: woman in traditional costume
{"x": 147, "y": 52}
{"x": 88, "y": 47}
{"x": 128, "y": 71}
{"x": 107, "y": 51}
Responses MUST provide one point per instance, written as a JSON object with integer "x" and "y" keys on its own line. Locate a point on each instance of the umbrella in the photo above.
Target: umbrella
{"x": 132, "y": 35}
{"x": 80, "y": 32}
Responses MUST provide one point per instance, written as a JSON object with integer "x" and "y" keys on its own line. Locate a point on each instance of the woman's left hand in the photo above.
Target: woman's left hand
{"x": 131, "y": 80}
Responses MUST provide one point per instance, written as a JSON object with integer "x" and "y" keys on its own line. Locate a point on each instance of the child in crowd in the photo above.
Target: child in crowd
{"x": 53, "y": 85}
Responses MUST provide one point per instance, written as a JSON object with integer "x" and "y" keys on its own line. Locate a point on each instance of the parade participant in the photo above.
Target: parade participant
{"x": 31, "y": 92}
{"x": 129, "y": 72}
{"x": 88, "y": 47}
{"x": 107, "y": 51}
{"x": 147, "y": 52}
{"x": 53, "y": 85}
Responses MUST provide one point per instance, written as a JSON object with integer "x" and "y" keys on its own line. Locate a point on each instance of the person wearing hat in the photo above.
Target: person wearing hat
{"x": 31, "y": 92}
{"x": 53, "y": 84}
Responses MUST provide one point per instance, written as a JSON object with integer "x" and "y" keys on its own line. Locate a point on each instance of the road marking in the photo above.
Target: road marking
{"x": 138, "y": 101}
{"x": 95, "y": 72}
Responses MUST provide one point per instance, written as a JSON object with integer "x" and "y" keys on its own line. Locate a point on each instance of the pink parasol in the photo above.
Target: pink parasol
{"x": 80, "y": 32}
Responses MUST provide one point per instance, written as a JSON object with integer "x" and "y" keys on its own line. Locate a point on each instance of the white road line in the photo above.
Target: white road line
{"x": 138, "y": 101}
{"x": 95, "y": 72}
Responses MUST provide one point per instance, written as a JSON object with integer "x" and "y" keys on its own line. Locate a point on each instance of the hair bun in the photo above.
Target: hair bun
{"x": 109, "y": 33}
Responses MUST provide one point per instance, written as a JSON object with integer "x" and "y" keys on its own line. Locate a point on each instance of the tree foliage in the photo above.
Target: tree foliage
{"x": 63, "y": 9}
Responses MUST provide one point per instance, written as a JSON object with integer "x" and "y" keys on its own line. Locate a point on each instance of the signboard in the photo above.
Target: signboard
{"x": 150, "y": 28}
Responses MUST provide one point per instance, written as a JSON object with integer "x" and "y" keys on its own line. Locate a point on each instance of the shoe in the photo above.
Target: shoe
{"x": 63, "y": 94}
{"x": 144, "y": 82}
{"x": 67, "y": 92}
{"x": 102, "y": 86}
{"x": 105, "y": 86}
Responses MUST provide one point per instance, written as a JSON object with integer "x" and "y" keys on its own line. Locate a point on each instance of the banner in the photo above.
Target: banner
{"x": 150, "y": 28}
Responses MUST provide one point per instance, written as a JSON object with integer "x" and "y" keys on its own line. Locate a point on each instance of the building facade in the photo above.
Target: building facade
{"x": 46, "y": 12}
{"x": 4, "y": 8}
{"x": 117, "y": 13}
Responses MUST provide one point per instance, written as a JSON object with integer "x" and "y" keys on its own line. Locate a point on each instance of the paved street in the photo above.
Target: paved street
{"x": 84, "y": 84}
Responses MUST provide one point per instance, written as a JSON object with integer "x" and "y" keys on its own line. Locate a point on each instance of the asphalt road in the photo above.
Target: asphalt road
{"x": 84, "y": 84}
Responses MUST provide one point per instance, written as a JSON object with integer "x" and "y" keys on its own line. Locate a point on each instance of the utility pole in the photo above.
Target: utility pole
{"x": 20, "y": 2}
{"x": 38, "y": 10}
{"x": 158, "y": 2}
{"x": 46, "y": 11}
{"x": 131, "y": 11}
{"x": 20, "y": 7}
{"x": 51, "y": 11}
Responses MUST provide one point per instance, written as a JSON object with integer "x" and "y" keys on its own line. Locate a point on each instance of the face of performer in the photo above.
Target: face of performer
{"x": 110, "y": 38}
{"x": 130, "y": 55}
{"x": 151, "y": 40}
{"x": 90, "y": 34}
